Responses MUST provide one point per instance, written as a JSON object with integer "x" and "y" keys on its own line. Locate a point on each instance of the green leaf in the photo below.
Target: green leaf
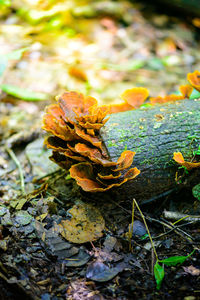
{"x": 197, "y": 152}
{"x": 131, "y": 66}
{"x": 155, "y": 64}
{"x": 193, "y": 138}
{"x": 196, "y": 191}
{"x": 174, "y": 260}
{"x": 23, "y": 94}
{"x": 68, "y": 177}
{"x": 14, "y": 55}
{"x": 146, "y": 105}
{"x": 144, "y": 237}
{"x": 3, "y": 65}
{"x": 5, "y": 2}
{"x": 184, "y": 168}
{"x": 159, "y": 274}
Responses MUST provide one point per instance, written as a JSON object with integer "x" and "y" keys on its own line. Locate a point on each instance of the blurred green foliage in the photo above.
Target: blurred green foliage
{"x": 5, "y": 3}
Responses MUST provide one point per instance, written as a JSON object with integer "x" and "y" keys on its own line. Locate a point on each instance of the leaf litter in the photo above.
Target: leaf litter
{"x": 101, "y": 50}
{"x": 85, "y": 225}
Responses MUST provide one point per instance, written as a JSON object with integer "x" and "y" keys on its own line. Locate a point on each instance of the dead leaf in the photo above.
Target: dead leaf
{"x": 100, "y": 272}
{"x": 86, "y": 224}
{"x": 192, "y": 270}
{"x": 53, "y": 243}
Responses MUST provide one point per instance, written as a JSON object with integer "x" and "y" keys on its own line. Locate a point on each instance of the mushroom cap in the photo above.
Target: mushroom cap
{"x": 194, "y": 79}
{"x": 74, "y": 123}
{"x": 178, "y": 157}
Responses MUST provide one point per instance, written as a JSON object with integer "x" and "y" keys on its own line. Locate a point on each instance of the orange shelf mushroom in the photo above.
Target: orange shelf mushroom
{"x": 178, "y": 157}
{"x": 194, "y": 79}
{"x": 168, "y": 98}
{"x": 186, "y": 91}
{"x": 74, "y": 123}
{"x": 133, "y": 98}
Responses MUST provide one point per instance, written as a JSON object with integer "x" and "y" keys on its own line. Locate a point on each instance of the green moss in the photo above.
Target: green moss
{"x": 111, "y": 144}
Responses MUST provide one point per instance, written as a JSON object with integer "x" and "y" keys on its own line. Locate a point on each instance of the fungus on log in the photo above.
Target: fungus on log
{"x": 154, "y": 133}
{"x": 75, "y": 122}
{"x": 94, "y": 148}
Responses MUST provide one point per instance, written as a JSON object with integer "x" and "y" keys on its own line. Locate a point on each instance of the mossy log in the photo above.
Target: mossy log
{"x": 154, "y": 133}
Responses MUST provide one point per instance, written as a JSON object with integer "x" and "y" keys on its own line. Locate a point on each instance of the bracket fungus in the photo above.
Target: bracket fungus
{"x": 194, "y": 79}
{"x": 186, "y": 91}
{"x": 74, "y": 123}
{"x": 178, "y": 157}
{"x": 133, "y": 98}
{"x": 82, "y": 146}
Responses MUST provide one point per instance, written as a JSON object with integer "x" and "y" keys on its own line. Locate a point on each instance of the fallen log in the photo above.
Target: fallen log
{"x": 154, "y": 133}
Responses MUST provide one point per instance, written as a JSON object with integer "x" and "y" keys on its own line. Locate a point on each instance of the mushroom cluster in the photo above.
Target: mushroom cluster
{"x": 178, "y": 157}
{"x": 186, "y": 91}
{"x": 74, "y": 122}
{"x": 194, "y": 79}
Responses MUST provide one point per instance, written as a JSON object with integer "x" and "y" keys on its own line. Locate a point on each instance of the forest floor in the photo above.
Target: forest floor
{"x": 100, "y": 48}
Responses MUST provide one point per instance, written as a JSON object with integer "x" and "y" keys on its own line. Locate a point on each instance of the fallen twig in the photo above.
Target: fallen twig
{"x": 17, "y": 162}
{"x": 173, "y": 215}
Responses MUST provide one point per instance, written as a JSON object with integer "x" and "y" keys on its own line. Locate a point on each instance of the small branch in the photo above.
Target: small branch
{"x": 17, "y": 162}
{"x": 170, "y": 226}
{"x": 180, "y": 231}
{"x": 173, "y": 215}
{"x": 131, "y": 226}
{"x": 145, "y": 223}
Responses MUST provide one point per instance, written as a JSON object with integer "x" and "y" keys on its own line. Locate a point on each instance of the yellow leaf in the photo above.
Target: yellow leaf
{"x": 86, "y": 224}
{"x": 41, "y": 217}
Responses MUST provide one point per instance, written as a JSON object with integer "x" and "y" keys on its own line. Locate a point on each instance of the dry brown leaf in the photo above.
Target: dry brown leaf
{"x": 192, "y": 270}
{"x": 86, "y": 224}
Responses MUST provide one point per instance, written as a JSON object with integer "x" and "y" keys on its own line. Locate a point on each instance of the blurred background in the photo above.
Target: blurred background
{"x": 99, "y": 47}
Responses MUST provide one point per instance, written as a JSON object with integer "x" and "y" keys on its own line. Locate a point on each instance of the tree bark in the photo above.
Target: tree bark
{"x": 154, "y": 133}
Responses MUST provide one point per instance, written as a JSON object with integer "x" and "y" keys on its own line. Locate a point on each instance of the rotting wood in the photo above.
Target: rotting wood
{"x": 154, "y": 133}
